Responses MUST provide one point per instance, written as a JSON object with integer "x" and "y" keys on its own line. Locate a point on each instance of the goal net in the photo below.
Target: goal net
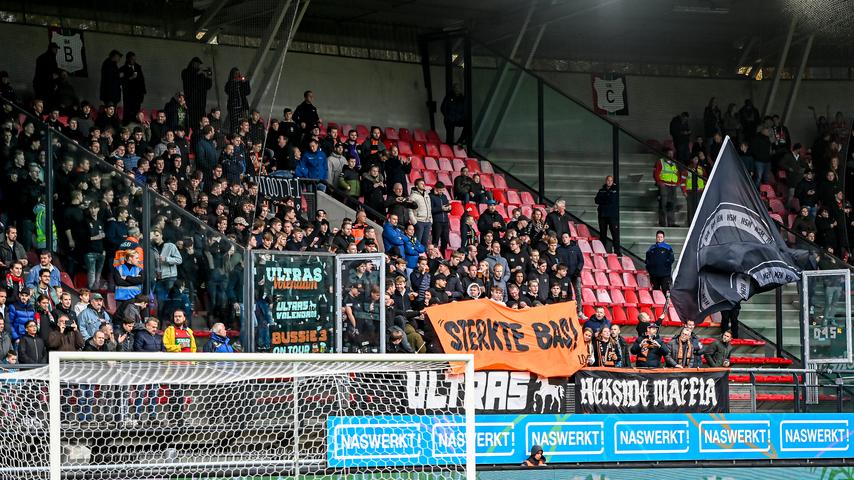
{"x": 248, "y": 416}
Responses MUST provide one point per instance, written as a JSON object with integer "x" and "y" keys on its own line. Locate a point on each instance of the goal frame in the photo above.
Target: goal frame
{"x": 54, "y": 384}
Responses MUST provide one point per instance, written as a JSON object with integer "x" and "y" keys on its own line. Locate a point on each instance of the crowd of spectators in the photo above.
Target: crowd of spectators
{"x": 801, "y": 183}
{"x": 204, "y": 161}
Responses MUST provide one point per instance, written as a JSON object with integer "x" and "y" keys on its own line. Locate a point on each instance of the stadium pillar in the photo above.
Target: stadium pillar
{"x": 778, "y": 307}
{"x": 778, "y": 71}
{"x": 424, "y": 52}
{"x": 48, "y": 201}
{"x": 541, "y": 145}
{"x": 247, "y": 330}
{"x": 469, "y": 88}
{"x": 793, "y": 95}
{"x": 147, "y": 261}
{"x": 268, "y": 38}
{"x": 517, "y": 82}
{"x": 615, "y": 171}
{"x": 284, "y": 46}
{"x": 203, "y": 22}
{"x": 498, "y": 83}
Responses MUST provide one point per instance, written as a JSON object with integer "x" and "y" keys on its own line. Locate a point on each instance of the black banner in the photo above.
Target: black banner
{"x": 276, "y": 187}
{"x": 299, "y": 289}
{"x": 609, "y": 390}
{"x": 734, "y": 249}
{"x": 496, "y": 392}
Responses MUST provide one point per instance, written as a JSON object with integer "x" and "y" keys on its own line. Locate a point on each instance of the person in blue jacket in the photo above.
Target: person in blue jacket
{"x": 313, "y": 163}
{"x": 219, "y": 341}
{"x": 20, "y": 313}
{"x": 393, "y": 237}
{"x": 412, "y": 249}
{"x": 659, "y": 263}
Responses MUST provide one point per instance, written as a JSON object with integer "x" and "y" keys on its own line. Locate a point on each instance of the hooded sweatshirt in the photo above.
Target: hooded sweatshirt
{"x": 533, "y": 462}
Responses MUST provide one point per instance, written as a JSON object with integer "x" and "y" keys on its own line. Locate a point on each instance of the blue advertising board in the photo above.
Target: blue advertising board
{"x": 507, "y": 439}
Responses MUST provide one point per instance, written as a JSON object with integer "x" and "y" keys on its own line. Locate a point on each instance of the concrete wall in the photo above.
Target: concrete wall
{"x": 653, "y": 101}
{"x": 346, "y": 89}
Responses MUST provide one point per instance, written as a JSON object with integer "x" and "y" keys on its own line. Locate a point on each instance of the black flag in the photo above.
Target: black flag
{"x": 734, "y": 249}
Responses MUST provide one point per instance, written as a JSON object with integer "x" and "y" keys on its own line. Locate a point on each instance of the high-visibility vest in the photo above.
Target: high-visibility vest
{"x": 41, "y": 234}
{"x": 690, "y": 176}
{"x": 669, "y": 172}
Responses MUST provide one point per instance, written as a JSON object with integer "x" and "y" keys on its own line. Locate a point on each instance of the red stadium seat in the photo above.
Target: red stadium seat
{"x": 658, "y": 297}
{"x": 599, "y": 264}
{"x": 391, "y": 134}
{"x": 573, "y": 232}
{"x": 473, "y": 164}
{"x": 527, "y": 210}
{"x": 457, "y": 209}
{"x": 486, "y": 166}
{"x": 403, "y": 134}
{"x": 460, "y": 152}
{"x": 777, "y": 207}
{"x": 671, "y": 312}
{"x": 472, "y": 210}
{"x": 583, "y": 231}
{"x": 584, "y": 245}
{"x": 458, "y": 164}
{"x": 587, "y": 296}
{"x": 587, "y": 278}
{"x": 617, "y": 297}
{"x": 629, "y": 280}
{"x": 588, "y": 262}
{"x": 602, "y": 297}
{"x": 499, "y": 181}
{"x": 419, "y": 149}
{"x": 498, "y": 196}
{"x": 445, "y": 165}
{"x": 527, "y": 198}
{"x": 630, "y": 298}
{"x": 446, "y": 150}
{"x": 454, "y": 240}
{"x": 363, "y": 131}
{"x": 419, "y": 135}
{"x": 643, "y": 280}
{"x": 513, "y": 197}
{"x": 767, "y": 190}
{"x": 389, "y": 143}
{"x": 589, "y": 311}
{"x": 418, "y": 163}
{"x": 601, "y": 279}
{"x": 598, "y": 248}
{"x": 405, "y": 149}
{"x": 615, "y": 280}
{"x": 645, "y": 298}
{"x": 415, "y": 175}
{"x": 431, "y": 164}
{"x": 454, "y": 223}
{"x": 628, "y": 264}
{"x": 619, "y": 315}
{"x": 429, "y": 177}
{"x": 502, "y": 211}
{"x": 614, "y": 263}
{"x": 433, "y": 151}
{"x": 433, "y": 137}
{"x": 486, "y": 181}
{"x": 445, "y": 178}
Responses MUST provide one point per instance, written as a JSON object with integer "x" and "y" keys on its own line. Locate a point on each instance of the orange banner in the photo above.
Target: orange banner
{"x": 544, "y": 340}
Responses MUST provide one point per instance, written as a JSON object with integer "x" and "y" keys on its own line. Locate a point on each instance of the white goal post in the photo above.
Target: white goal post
{"x": 199, "y": 415}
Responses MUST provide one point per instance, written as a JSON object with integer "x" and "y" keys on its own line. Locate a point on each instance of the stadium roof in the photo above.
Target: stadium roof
{"x": 712, "y": 32}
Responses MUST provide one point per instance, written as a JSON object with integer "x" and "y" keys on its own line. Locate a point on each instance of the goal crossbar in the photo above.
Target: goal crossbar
{"x": 57, "y": 359}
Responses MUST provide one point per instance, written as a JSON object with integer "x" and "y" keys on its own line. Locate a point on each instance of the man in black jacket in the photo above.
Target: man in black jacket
{"x": 44, "y": 79}
{"x": 651, "y": 349}
{"x": 31, "y": 348}
{"x": 558, "y": 219}
{"x": 718, "y": 352}
{"x": 570, "y": 255}
{"x": 133, "y": 87}
{"x": 608, "y": 206}
{"x": 111, "y": 86}
{"x": 305, "y": 114}
{"x": 491, "y": 220}
{"x": 439, "y": 207}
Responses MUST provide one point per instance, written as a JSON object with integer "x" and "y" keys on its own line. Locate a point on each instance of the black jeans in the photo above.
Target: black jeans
{"x": 607, "y": 224}
{"x": 660, "y": 283}
{"x": 729, "y": 320}
{"x": 441, "y": 235}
